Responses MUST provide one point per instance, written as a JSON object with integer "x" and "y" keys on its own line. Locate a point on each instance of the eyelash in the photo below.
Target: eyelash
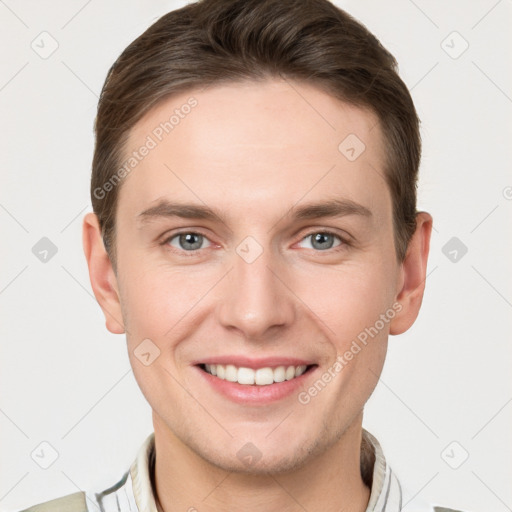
{"x": 343, "y": 245}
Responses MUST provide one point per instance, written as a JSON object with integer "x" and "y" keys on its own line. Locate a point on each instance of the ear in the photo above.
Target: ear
{"x": 101, "y": 274}
{"x": 413, "y": 275}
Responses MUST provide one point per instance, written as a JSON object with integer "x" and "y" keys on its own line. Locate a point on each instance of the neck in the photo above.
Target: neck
{"x": 331, "y": 481}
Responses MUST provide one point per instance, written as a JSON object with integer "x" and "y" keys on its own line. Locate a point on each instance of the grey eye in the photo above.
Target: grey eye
{"x": 322, "y": 241}
{"x": 188, "y": 241}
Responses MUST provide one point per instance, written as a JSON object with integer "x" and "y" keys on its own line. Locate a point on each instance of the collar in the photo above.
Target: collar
{"x": 134, "y": 492}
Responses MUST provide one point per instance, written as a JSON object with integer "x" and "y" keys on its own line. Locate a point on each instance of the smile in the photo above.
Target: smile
{"x": 258, "y": 377}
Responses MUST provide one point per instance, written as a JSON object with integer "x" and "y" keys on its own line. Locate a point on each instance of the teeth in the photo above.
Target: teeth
{"x": 231, "y": 373}
{"x": 260, "y": 377}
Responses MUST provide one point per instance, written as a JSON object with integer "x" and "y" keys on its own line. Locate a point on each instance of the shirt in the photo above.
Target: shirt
{"x": 134, "y": 492}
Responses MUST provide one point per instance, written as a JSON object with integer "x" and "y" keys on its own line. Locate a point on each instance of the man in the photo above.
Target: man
{"x": 255, "y": 235}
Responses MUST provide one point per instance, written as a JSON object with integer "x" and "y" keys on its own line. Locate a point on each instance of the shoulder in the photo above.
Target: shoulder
{"x": 70, "y": 503}
{"x": 444, "y": 509}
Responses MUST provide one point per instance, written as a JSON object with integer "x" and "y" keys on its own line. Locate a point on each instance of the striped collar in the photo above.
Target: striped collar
{"x": 134, "y": 493}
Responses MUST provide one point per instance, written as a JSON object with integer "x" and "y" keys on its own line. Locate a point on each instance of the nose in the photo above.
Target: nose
{"x": 256, "y": 300}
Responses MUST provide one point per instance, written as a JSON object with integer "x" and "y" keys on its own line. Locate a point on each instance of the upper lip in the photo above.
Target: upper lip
{"x": 248, "y": 362}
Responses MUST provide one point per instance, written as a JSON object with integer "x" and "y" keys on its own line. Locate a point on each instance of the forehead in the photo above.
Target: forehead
{"x": 251, "y": 143}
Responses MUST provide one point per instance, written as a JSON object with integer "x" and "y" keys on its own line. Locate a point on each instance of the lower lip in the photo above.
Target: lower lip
{"x": 253, "y": 394}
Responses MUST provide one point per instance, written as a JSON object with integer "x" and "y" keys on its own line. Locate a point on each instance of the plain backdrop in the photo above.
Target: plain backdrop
{"x": 443, "y": 408}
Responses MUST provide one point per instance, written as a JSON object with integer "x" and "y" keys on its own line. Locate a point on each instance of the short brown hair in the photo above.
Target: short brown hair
{"x": 223, "y": 41}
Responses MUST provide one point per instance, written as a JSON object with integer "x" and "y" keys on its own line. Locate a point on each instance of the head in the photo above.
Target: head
{"x": 254, "y": 196}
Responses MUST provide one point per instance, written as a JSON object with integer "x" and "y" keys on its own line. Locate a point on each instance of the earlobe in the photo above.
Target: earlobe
{"x": 101, "y": 274}
{"x": 413, "y": 275}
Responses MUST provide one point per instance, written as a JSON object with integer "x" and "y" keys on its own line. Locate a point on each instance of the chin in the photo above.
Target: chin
{"x": 264, "y": 466}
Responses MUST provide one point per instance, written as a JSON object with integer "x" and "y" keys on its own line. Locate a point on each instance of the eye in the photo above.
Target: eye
{"x": 187, "y": 241}
{"x": 322, "y": 240}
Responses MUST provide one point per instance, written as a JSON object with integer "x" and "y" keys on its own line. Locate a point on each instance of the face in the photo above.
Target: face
{"x": 248, "y": 237}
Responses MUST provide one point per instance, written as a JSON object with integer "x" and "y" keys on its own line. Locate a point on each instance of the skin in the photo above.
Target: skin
{"x": 254, "y": 152}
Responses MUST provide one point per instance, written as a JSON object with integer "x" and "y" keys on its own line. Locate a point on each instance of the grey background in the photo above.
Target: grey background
{"x": 445, "y": 392}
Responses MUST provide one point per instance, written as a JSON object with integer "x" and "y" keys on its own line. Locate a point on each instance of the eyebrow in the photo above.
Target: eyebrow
{"x": 308, "y": 211}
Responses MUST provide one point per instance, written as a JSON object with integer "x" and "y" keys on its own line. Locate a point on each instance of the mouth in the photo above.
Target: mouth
{"x": 251, "y": 381}
{"x": 264, "y": 376}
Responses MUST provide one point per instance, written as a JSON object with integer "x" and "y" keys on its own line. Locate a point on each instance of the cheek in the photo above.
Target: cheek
{"x": 159, "y": 305}
{"x": 160, "y": 301}
{"x": 357, "y": 308}
{"x": 348, "y": 300}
